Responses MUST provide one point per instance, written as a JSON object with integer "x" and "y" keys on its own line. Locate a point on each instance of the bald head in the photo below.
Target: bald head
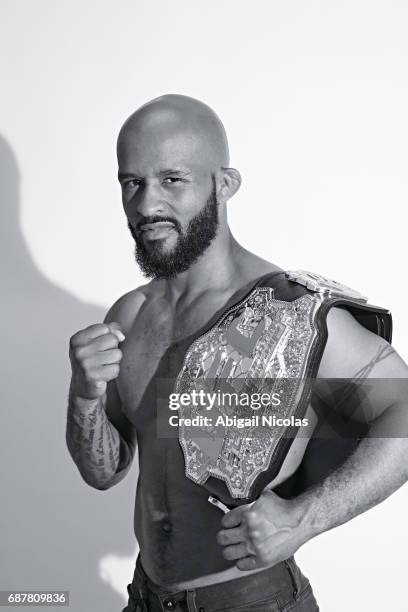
{"x": 173, "y": 170}
{"x": 184, "y": 124}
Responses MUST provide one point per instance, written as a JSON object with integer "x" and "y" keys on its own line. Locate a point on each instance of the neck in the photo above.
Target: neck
{"x": 217, "y": 268}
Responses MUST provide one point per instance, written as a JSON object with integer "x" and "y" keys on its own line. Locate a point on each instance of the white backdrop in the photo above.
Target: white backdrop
{"x": 313, "y": 95}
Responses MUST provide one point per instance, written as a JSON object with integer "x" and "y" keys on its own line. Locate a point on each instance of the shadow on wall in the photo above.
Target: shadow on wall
{"x": 54, "y": 528}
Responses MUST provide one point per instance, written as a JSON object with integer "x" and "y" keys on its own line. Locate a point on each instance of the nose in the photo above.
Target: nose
{"x": 145, "y": 202}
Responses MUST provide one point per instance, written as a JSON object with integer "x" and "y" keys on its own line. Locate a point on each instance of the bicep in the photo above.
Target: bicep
{"x": 123, "y": 312}
{"x": 360, "y": 374}
{"x": 113, "y": 409}
{"x": 113, "y": 402}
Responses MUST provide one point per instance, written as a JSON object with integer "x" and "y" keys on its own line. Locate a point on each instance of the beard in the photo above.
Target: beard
{"x": 155, "y": 262}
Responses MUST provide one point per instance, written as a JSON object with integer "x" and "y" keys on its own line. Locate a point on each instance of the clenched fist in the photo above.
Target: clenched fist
{"x": 95, "y": 357}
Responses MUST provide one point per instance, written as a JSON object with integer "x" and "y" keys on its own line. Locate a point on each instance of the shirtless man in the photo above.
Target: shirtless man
{"x": 176, "y": 182}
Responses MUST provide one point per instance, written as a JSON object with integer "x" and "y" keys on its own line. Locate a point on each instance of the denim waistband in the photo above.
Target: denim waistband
{"x": 283, "y": 578}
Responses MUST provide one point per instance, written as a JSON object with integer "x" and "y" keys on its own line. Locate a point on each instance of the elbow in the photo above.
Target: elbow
{"x": 99, "y": 486}
{"x": 97, "y": 483}
{"x": 105, "y": 484}
{"x": 97, "y": 477}
{"x": 92, "y": 478}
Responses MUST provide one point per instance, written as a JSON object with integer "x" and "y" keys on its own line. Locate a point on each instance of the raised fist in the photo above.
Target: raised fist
{"x": 95, "y": 359}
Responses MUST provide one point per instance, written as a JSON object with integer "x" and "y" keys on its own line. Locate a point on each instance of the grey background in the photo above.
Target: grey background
{"x": 314, "y": 97}
{"x": 54, "y": 529}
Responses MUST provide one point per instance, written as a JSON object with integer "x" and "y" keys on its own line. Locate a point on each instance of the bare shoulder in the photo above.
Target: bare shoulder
{"x": 342, "y": 326}
{"x": 124, "y": 311}
{"x": 252, "y": 265}
{"x": 351, "y": 348}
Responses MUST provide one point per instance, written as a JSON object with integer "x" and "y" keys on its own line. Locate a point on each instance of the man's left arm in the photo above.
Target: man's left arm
{"x": 371, "y": 388}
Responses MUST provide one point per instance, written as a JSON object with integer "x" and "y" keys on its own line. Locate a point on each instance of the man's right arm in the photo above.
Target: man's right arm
{"x": 99, "y": 437}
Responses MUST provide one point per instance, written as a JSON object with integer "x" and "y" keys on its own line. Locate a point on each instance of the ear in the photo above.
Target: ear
{"x": 229, "y": 184}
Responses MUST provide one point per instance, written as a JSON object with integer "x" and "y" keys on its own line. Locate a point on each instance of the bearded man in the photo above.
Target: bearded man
{"x": 215, "y": 314}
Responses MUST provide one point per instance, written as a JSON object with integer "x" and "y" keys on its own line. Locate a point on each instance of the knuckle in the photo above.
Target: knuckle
{"x": 78, "y": 353}
{"x": 255, "y": 534}
{"x": 112, "y": 338}
{"x": 86, "y": 363}
{"x": 251, "y": 516}
{"x": 72, "y": 343}
{"x": 229, "y": 552}
{"x": 261, "y": 553}
{"x": 114, "y": 370}
{"x": 76, "y": 340}
{"x": 118, "y": 354}
{"x": 90, "y": 376}
{"x": 258, "y": 548}
{"x": 224, "y": 521}
{"x": 98, "y": 327}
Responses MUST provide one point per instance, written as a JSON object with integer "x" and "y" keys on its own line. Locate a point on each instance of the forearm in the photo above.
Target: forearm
{"x": 93, "y": 442}
{"x": 377, "y": 468}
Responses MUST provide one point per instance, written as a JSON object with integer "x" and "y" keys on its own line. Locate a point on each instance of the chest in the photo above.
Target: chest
{"x": 156, "y": 344}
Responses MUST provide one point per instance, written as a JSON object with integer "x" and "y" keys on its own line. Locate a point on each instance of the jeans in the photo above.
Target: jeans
{"x": 281, "y": 588}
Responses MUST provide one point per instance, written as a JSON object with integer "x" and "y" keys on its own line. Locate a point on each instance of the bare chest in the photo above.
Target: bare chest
{"x": 155, "y": 332}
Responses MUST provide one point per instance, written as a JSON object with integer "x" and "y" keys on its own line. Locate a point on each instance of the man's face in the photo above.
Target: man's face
{"x": 151, "y": 252}
{"x": 169, "y": 200}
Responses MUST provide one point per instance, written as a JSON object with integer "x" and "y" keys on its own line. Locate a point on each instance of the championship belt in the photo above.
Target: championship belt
{"x": 261, "y": 345}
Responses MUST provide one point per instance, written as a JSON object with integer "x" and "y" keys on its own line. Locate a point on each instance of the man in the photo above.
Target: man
{"x": 215, "y": 311}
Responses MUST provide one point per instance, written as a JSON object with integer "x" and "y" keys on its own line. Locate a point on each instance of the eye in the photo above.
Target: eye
{"x": 172, "y": 179}
{"x": 130, "y": 184}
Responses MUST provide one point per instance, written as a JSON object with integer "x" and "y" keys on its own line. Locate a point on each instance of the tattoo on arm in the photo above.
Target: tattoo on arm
{"x": 355, "y": 384}
{"x": 349, "y": 395}
{"x": 93, "y": 441}
{"x": 382, "y": 353}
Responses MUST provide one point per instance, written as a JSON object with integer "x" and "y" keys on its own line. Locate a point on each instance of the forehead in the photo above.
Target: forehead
{"x": 144, "y": 149}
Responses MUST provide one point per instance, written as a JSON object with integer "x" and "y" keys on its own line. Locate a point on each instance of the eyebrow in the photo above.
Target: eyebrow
{"x": 128, "y": 175}
{"x": 174, "y": 171}
{"x": 124, "y": 175}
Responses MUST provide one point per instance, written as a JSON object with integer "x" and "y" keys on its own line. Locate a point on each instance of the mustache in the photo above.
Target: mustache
{"x": 153, "y": 219}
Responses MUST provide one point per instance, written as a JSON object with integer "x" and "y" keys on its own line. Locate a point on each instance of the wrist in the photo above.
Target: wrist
{"x": 80, "y": 398}
{"x": 297, "y": 513}
{"x": 307, "y": 515}
{"x": 84, "y": 406}
{"x": 85, "y": 402}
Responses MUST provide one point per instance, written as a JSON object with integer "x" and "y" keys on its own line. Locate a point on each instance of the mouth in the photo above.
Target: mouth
{"x": 157, "y": 230}
{"x": 148, "y": 227}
